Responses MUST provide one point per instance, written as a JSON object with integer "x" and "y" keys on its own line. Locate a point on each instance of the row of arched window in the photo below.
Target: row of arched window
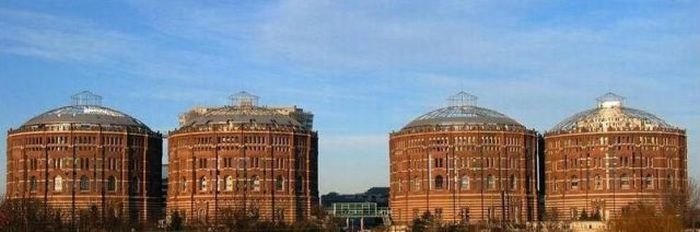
{"x": 78, "y": 163}
{"x": 83, "y": 185}
{"x": 511, "y": 163}
{"x": 624, "y": 182}
{"x": 464, "y": 183}
{"x": 229, "y": 182}
{"x": 242, "y": 162}
{"x": 615, "y": 140}
{"x": 462, "y": 140}
{"x": 76, "y": 140}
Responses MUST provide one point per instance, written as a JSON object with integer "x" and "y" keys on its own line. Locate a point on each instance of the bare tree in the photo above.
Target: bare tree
{"x": 551, "y": 220}
{"x": 693, "y": 203}
{"x": 640, "y": 216}
{"x": 426, "y": 223}
{"x": 29, "y": 215}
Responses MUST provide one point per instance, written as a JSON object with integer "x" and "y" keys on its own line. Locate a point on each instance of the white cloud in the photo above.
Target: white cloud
{"x": 48, "y": 37}
{"x": 79, "y": 41}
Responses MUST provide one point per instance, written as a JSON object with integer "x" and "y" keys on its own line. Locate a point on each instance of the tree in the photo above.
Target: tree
{"x": 693, "y": 204}
{"x": 115, "y": 218}
{"x": 551, "y": 220}
{"x": 175, "y": 221}
{"x": 28, "y": 215}
{"x": 234, "y": 219}
{"x": 426, "y": 223}
{"x": 326, "y": 221}
{"x": 89, "y": 219}
{"x": 642, "y": 217}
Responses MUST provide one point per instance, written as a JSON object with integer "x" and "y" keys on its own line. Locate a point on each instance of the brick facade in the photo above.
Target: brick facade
{"x": 74, "y": 165}
{"x": 244, "y": 161}
{"x": 487, "y": 175}
{"x": 472, "y": 165}
{"x": 606, "y": 158}
{"x": 603, "y": 172}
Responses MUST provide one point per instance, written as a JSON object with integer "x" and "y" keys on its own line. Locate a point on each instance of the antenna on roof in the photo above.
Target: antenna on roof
{"x": 462, "y": 99}
{"x": 244, "y": 99}
{"x": 86, "y": 98}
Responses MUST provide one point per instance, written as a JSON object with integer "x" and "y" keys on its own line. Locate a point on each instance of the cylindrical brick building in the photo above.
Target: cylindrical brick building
{"x": 85, "y": 156}
{"x": 243, "y": 157}
{"x": 463, "y": 164}
{"x": 600, "y": 160}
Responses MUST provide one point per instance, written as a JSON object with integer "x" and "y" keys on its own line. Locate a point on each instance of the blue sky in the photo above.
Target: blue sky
{"x": 364, "y": 68}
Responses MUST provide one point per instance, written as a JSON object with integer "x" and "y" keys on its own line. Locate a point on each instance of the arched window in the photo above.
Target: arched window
{"x": 669, "y": 182}
{"x": 513, "y": 182}
{"x": 490, "y": 182}
{"x": 438, "y": 182}
{"x": 398, "y": 184}
{"x": 111, "y": 183}
{"x": 598, "y": 182}
{"x": 203, "y": 183}
{"x": 299, "y": 185}
{"x": 202, "y": 215}
{"x": 574, "y": 182}
{"x": 135, "y": 185}
{"x": 183, "y": 183}
{"x": 228, "y": 182}
{"x": 411, "y": 183}
{"x": 279, "y": 183}
{"x": 32, "y": 183}
{"x": 464, "y": 184}
{"x": 416, "y": 183}
{"x": 255, "y": 182}
{"x": 648, "y": 180}
{"x": 84, "y": 183}
{"x": 58, "y": 183}
{"x": 624, "y": 181}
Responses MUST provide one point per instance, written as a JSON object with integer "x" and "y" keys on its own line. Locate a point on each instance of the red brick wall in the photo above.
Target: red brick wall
{"x": 632, "y": 166}
{"x": 243, "y": 154}
{"x": 96, "y": 153}
{"x": 418, "y": 157}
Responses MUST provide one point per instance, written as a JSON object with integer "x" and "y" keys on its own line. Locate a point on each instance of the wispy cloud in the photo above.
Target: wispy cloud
{"x": 50, "y": 37}
{"x": 79, "y": 41}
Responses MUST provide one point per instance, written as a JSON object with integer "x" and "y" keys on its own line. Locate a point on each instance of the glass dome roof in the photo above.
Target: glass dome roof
{"x": 462, "y": 111}
{"x": 84, "y": 114}
{"x": 86, "y": 109}
{"x": 611, "y": 113}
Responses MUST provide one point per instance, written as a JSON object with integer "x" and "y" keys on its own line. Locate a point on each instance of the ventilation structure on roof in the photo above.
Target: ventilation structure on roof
{"x": 86, "y": 98}
{"x": 610, "y": 100}
{"x": 462, "y": 99}
{"x": 244, "y": 99}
